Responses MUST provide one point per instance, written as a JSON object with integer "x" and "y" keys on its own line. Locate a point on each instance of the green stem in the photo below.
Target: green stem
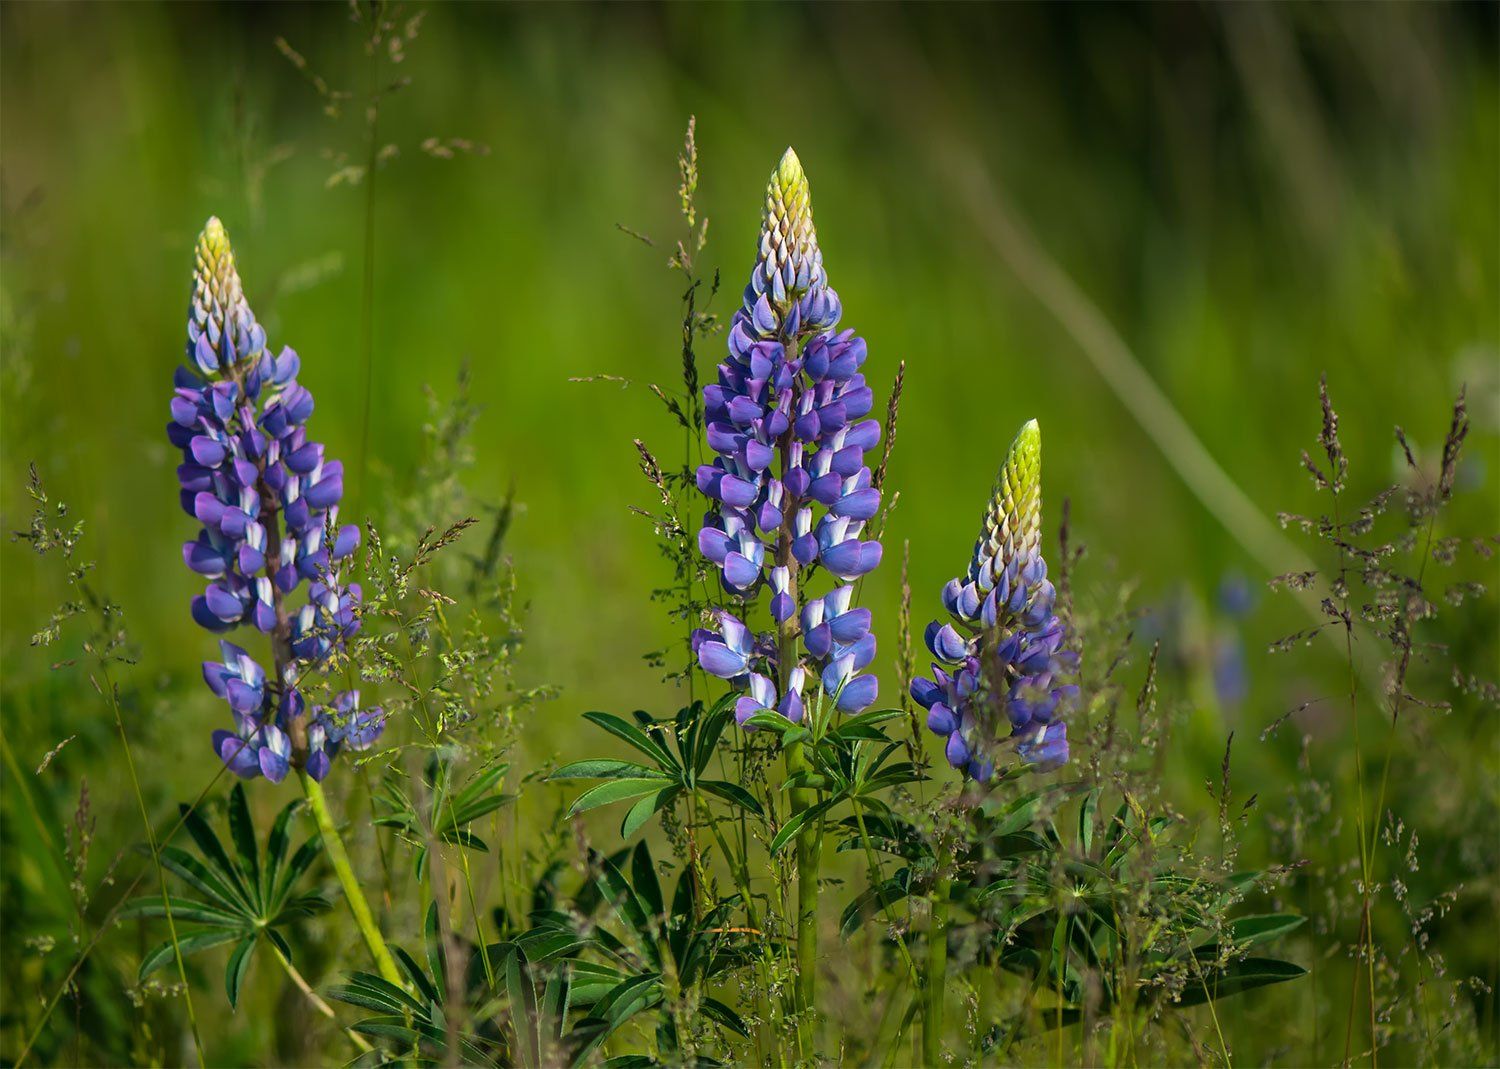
{"x": 809, "y": 854}
{"x": 339, "y": 858}
{"x": 322, "y": 1007}
{"x": 937, "y": 968}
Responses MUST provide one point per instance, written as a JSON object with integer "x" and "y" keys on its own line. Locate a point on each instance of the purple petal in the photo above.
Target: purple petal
{"x": 858, "y": 694}
{"x": 860, "y": 505}
{"x": 740, "y": 571}
{"x": 719, "y": 660}
{"x": 851, "y": 626}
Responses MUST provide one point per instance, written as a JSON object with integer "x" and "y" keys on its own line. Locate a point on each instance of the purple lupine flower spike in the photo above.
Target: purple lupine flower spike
{"x": 1002, "y": 653}
{"x": 789, "y": 485}
{"x": 266, "y": 497}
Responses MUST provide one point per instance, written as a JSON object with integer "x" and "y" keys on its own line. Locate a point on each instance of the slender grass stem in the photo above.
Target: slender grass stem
{"x": 937, "y": 968}
{"x": 353, "y": 895}
{"x": 877, "y": 877}
{"x": 161, "y": 876}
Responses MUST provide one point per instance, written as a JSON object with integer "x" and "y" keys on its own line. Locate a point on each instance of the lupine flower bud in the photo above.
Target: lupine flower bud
{"x": 267, "y": 499}
{"x": 1002, "y": 653}
{"x": 789, "y": 485}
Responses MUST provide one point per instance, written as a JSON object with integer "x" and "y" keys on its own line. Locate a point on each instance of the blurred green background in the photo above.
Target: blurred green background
{"x": 1230, "y": 199}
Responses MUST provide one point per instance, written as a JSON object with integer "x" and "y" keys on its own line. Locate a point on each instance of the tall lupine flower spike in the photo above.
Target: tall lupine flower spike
{"x": 1002, "y": 653}
{"x": 789, "y": 487}
{"x": 249, "y": 470}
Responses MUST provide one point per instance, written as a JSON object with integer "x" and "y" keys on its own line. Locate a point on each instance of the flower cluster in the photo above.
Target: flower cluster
{"x": 239, "y": 416}
{"x": 1002, "y": 652}
{"x": 789, "y": 485}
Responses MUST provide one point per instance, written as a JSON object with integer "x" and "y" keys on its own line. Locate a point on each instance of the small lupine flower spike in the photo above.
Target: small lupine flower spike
{"x": 789, "y": 487}
{"x": 1002, "y": 653}
{"x": 267, "y": 500}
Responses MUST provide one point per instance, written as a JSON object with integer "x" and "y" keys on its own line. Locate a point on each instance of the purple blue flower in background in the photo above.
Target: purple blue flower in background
{"x": 266, "y": 497}
{"x": 1000, "y": 662}
{"x": 789, "y": 488}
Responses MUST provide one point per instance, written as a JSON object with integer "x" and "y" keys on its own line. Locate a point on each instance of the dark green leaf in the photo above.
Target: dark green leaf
{"x": 600, "y": 768}
{"x": 732, "y": 792}
{"x": 242, "y": 832}
{"x": 239, "y": 965}
{"x": 162, "y": 953}
{"x": 635, "y": 737}
{"x": 643, "y": 876}
{"x": 209, "y": 882}
{"x": 523, "y": 1009}
{"x": 795, "y": 824}
{"x": 213, "y": 853}
{"x": 646, "y": 808}
{"x": 715, "y": 1010}
{"x": 183, "y": 909}
{"x": 1237, "y": 977}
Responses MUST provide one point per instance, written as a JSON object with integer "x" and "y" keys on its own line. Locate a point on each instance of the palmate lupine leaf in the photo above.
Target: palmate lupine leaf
{"x": 679, "y": 751}
{"x": 415, "y": 1019}
{"x": 557, "y": 992}
{"x": 245, "y": 897}
{"x": 849, "y": 763}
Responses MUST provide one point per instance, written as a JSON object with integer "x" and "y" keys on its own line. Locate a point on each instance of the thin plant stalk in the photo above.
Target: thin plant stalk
{"x": 333, "y": 845}
{"x": 937, "y": 965}
{"x": 161, "y": 876}
{"x": 300, "y": 982}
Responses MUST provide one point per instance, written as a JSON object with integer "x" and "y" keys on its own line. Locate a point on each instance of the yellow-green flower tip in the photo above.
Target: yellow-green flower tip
{"x": 1013, "y": 522}
{"x": 216, "y": 283}
{"x": 221, "y": 328}
{"x": 789, "y": 174}
{"x": 790, "y": 263}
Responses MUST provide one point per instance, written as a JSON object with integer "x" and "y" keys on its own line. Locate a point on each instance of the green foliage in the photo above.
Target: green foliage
{"x": 449, "y": 811}
{"x": 247, "y": 897}
{"x": 613, "y": 957}
{"x": 679, "y": 750}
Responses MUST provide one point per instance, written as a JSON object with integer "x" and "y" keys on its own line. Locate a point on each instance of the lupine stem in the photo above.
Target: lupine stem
{"x": 808, "y": 858}
{"x": 339, "y": 858}
{"x": 937, "y": 968}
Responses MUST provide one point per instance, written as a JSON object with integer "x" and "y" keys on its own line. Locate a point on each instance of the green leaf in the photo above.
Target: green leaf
{"x": 1086, "y": 822}
{"x": 601, "y": 768}
{"x": 276, "y": 848}
{"x": 162, "y": 953}
{"x": 1254, "y": 929}
{"x": 732, "y": 792}
{"x": 626, "y": 903}
{"x": 239, "y": 965}
{"x": 712, "y": 730}
{"x": 376, "y": 993}
{"x": 183, "y": 909}
{"x": 769, "y": 721}
{"x": 301, "y": 861}
{"x": 1238, "y": 977}
{"x": 870, "y": 902}
{"x": 646, "y": 808}
{"x": 715, "y": 1010}
{"x": 643, "y": 876}
{"x": 207, "y": 881}
{"x": 523, "y": 1010}
{"x": 242, "y": 832}
{"x": 437, "y": 956}
{"x": 213, "y": 853}
{"x": 614, "y": 791}
{"x": 790, "y": 829}
{"x": 635, "y": 737}
{"x": 865, "y": 721}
